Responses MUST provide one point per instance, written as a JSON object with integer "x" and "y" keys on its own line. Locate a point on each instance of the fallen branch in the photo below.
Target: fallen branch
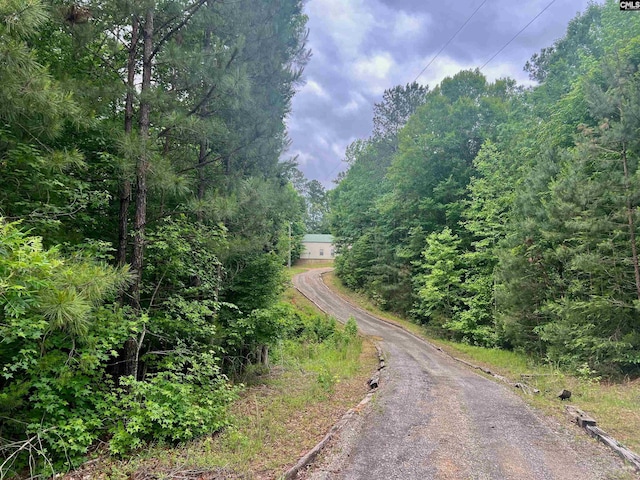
{"x": 310, "y": 456}
{"x": 626, "y": 454}
{"x": 32, "y": 446}
{"x": 580, "y": 418}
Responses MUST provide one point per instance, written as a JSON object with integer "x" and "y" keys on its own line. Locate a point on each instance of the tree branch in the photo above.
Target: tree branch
{"x": 190, "y": 12}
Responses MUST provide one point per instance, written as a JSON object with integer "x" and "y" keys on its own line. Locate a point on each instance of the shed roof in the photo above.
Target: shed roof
{"x": 317, "y": 238}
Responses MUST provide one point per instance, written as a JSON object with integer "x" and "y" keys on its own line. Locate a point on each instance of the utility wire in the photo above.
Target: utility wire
{"x": 517, "y": 34}
{"x": 450, "y": 39}
{"x": 327, "y": 178}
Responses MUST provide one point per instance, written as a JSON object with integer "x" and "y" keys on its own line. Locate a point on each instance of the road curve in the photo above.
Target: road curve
{"x": 436, "y": 419}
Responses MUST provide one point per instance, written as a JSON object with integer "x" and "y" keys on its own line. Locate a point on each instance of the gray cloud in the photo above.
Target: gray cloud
{"x": 362, "y": 47}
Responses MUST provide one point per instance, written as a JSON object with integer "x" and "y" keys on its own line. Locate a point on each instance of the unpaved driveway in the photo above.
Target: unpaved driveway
{"x": 436, "y": 419}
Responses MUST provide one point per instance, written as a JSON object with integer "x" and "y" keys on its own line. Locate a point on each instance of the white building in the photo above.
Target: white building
{"x": 318, "y": 247}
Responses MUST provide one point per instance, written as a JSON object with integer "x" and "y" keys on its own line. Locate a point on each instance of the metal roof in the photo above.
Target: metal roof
{"x": 317, "y": 238}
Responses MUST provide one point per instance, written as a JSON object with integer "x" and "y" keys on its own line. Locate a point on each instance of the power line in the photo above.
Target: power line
{"x": 451, "y": 39}
{"x": 326, "y": 178}
{"x": 517, "y": 34}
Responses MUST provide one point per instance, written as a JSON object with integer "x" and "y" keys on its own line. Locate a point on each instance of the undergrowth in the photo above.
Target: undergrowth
{"x": 315, "y": 374}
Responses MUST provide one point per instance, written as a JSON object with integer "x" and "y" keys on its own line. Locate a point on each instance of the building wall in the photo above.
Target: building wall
{"x": 317, "y": 251}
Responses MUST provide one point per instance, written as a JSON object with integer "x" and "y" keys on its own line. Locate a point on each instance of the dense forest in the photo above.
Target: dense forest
{"x": 506, "y": 216}
{"x": 145, "y": 216}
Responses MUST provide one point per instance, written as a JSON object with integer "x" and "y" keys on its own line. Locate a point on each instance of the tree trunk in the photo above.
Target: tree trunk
{"x": 131, "y": 346}
{"x": 262, "y": 355}
{"x": 202, "y": 154}
{"x": 125, "y": 189}
{"x": 142, "y": 167}
{"x": 630, "y": 221}
{"x": 123, "y": 222}
{"x": 202, "y": 179}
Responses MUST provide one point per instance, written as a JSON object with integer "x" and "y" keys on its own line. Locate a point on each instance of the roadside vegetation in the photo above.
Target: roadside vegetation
{"x": 146, "y": 216}
{"x": 615, "y": 405}
{"x": 283, "y": 409}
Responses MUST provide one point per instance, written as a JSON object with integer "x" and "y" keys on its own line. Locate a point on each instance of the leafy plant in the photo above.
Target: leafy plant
{"x": 179, "y": 403}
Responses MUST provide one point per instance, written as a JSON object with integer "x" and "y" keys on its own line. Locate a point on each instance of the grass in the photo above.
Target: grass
{"x": 284, "y": 412}
{"x": 616, "y": 406}
{"x": 313, "y": 263}
{"x": 365, "y": 303}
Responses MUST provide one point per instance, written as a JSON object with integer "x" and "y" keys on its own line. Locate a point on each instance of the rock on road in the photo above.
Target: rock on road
{"x": 436, "y": 419}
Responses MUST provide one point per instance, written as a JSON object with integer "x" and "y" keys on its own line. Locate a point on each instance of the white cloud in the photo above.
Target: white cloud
{"x": 356, "y": 101}
{"x": 442, "y": 67}
{"x": 348, "y": 108}
{"x": 497, "y": 70}
{"x": 314, "y": 88}
{"x": 445, "y": 66}
{"x": 338, "y": 149}
{"x": 320, "y": 140}
{"x": 374, "y": 72}
{"x": 408, "y": 26}
{"x": 346, "y": 22}
{"x": 303, "y": 158}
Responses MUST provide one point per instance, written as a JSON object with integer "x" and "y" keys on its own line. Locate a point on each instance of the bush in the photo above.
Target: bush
{"x": 171, "y": 406}
{"x": 57, "y": 337}
{"x": 351, "y": 327}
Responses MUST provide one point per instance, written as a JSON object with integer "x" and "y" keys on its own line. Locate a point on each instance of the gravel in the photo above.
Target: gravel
{"x": 436, "y": 419}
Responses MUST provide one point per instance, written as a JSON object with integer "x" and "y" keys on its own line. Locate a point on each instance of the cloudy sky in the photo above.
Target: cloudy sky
{"x": 363, "y": 47}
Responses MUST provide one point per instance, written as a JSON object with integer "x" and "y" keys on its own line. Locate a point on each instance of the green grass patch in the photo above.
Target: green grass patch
{"x": 615, "y": 406}
{"x": 366, "y": 304}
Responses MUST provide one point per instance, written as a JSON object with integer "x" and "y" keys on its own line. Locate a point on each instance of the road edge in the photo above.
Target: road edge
{"x": 629, "y": 457}
{"x": 311, "y": 455}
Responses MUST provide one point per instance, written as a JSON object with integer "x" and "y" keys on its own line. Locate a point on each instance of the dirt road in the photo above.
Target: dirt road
{"x": 436, "y": 419}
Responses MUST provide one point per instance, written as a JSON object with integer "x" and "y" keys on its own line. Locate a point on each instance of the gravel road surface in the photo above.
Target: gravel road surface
{"x": 434, "y": 418}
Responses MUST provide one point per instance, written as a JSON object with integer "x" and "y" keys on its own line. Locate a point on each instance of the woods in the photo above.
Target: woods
{"x": 145, "y": 216}
{"x": 147, "y": 212}
{"x": 506, "y": 216}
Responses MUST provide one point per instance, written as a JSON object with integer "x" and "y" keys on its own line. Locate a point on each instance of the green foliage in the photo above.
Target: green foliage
{"x": 186, "y": 400}
{"x": 258, "y": 284}
{"x": 439, "y": 285}
{"x": 57, "y": 339}
{"x": 526, "y": 200}
{"x": 317, "y": 342}
{"x": 317, "y": 219}
{"x": 365, "y": 233}
{"x": 351, "y": 327}
{"x": 568, "y": 287}
{"x": 410, "y": 181}
{"x": 195, "y": 197}
{"x": 244, "y": 337}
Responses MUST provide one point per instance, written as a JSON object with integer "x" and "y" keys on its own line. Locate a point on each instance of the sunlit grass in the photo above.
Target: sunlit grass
{"x": 365, "y": 303}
